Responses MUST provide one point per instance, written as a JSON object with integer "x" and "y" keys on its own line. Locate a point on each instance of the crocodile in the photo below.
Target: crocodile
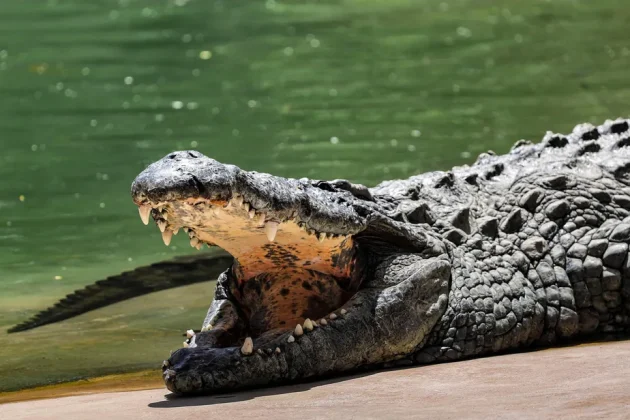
{"x": 525, "y": 249}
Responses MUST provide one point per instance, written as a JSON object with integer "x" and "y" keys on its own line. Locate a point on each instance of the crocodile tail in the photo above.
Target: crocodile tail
{"x": 177, "y": 272}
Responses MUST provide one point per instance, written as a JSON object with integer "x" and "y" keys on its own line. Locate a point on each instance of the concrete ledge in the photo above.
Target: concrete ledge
{"x": 589, "y": 381}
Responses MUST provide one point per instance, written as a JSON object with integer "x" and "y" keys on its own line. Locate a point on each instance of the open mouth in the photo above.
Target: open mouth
{"x": 296, "y": 262}
{"x": 286, "y": 276}
{"x": 320, "y": 282}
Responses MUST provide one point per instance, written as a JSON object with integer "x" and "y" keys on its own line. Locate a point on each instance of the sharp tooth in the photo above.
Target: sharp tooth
{"x": 333, "y": 316}
{"x": 167, "y": 235}
{"x": 343, "y": 312}
{"x": 246, "y": 206}
{"x": 237, "y": 200}
{"x": 321, "y": 237}
{"x": 199, "y": 245}
{"x": 176, "y": 231}
{"x": 193, "y": 342}
{"x": 145, "y": 212}
{"x": 248, "y": 346}
{"x": 271, "y": 228}
{"x": 186, "y": 229}
{"x": 298, "y": 330}
{"x": 191, "y": 234}
{"x": 278, "y": 351}
{"x": 308, "y": 325}
{"x": 261, "y": 219}
{"x": 194, "y": 242}
{"x": 291, "y": 339}
{"x": 323, "y": 321}
{"x": 161, "y": 224}
{"x": 252, "y": 213}
{"x": 190, "y": 333}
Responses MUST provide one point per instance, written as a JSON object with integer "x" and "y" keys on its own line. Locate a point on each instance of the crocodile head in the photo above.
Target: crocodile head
{"x": 311, "y": 266}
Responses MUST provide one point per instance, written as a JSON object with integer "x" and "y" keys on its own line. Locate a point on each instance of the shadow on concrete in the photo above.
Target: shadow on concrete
{"x": 174, "y": 401}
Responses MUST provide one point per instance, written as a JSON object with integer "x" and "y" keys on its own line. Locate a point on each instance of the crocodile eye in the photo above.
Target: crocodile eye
{"x": 323, "y": 185}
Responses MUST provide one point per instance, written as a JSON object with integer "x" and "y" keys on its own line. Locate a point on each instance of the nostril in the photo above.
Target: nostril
{"x": 184, "y": 155}
{"x": 619, "y": 127}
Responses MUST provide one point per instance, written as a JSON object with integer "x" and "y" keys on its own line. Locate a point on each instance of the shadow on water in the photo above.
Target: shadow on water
{"x": 175, "y": 401}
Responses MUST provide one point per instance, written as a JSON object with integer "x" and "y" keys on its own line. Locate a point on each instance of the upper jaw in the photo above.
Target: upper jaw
{"x": 190, "y": 175}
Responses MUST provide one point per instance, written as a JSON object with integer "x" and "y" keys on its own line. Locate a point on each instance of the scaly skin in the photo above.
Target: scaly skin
{"x": 529, "y": 248}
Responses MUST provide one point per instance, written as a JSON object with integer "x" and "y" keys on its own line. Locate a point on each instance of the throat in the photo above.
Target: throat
{"x": 283, "y": 299}
{"x": 289, "y": 287}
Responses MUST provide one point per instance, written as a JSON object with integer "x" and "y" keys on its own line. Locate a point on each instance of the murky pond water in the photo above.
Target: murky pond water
{"x": 93, "y": 91}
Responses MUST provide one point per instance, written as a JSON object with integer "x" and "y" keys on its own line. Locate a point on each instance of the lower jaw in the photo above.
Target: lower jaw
{"x": 272, "y": 358}
{"x": 271, "y": 315}
{"x": 272, "y": 312}
{"x": 280, "y": 301}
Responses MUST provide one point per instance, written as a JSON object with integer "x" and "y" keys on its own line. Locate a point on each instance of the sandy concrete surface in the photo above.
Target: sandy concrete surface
{"x": 590, "y": 381}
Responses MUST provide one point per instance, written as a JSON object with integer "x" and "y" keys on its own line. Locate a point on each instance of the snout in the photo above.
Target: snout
{"x": 181, "y": 175}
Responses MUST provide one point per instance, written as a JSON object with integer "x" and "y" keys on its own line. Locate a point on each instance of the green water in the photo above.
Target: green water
{"x": 93, "y": 91}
